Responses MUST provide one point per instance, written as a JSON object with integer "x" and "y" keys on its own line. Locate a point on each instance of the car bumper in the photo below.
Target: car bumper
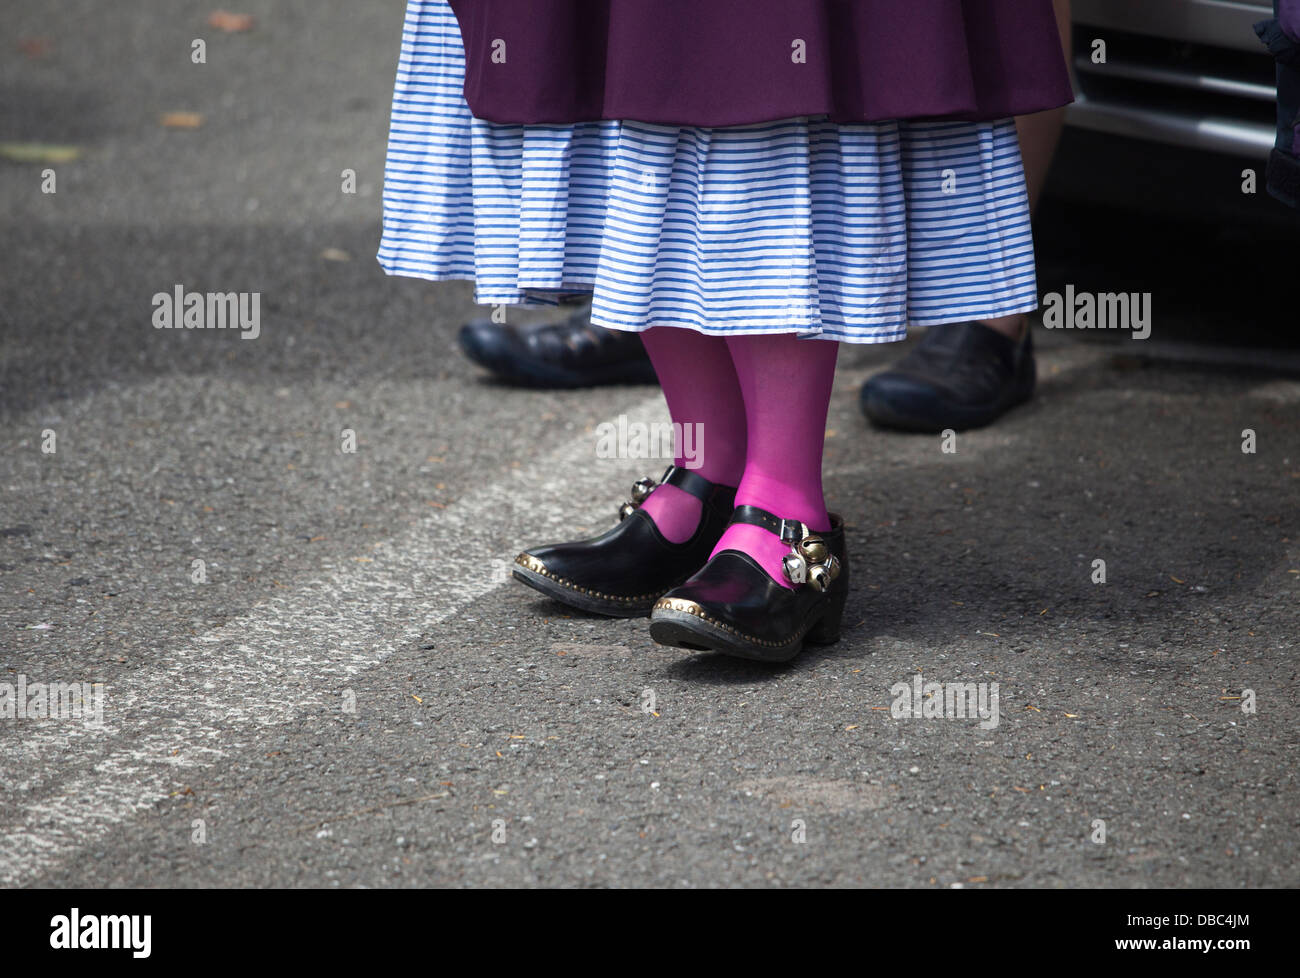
{"x": 1188, "y": 73}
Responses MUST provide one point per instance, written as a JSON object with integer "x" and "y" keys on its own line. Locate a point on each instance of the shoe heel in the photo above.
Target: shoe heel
{"x": 827, "y": 629}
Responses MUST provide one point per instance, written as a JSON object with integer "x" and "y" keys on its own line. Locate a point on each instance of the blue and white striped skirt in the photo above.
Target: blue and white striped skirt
{"x": 842, "y": 232}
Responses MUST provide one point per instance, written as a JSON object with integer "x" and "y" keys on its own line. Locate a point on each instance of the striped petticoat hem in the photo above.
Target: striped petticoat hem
{"x": 844, "y": 232}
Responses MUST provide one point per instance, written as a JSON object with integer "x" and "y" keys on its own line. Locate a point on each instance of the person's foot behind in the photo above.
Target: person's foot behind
{"x": 569, "y": 353}
{"x": 959, "y": 376}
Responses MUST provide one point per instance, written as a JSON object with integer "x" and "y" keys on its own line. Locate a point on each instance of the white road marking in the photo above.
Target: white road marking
{"x": 216, "y": 694}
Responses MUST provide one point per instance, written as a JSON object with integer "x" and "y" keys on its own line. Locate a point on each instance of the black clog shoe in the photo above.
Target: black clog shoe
{"x": 732, "y": 605}
{"x": 625, "y": 570}
{"x": 570, "y": 353}
{"x": 960, "y": 376}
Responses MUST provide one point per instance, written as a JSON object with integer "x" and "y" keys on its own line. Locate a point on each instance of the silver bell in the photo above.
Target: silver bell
{"x": 814, "y": 550}
{"x": 626, "y": 510}
{"x": 819, "y": 578}
{"x": 795, "y": 568}
{"x": 641, "y": 489}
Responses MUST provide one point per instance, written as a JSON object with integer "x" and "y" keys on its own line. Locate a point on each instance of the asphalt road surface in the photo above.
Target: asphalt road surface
{"x": 348, "y": 690}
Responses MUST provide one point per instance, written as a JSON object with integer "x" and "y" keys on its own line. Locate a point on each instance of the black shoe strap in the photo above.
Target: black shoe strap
{"x": 790, "y": 531}
{"x": 689, "y": 482}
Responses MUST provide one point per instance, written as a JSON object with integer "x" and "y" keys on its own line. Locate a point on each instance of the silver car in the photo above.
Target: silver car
{"x": 1186, "y": 72}
{"x": 1161, "y": 145}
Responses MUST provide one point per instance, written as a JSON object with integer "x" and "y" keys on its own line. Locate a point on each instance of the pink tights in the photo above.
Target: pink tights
{"x": 759, "y": 404}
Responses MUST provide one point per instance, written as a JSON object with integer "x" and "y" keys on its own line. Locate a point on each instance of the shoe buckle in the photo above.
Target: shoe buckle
{"x": 791, "y": 531}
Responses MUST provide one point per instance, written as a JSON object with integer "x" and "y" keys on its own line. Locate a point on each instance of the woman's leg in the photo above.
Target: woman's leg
{"x": 1039, "y": 134}
{"x": 786, "y": 386}
{"x": 624, "y": 571}
{"x": 699, "y": 383}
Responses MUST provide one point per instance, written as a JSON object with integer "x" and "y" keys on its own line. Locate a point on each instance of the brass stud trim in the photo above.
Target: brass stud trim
{"x": 532, "y": 563}
{"x": 680, "y": 604}
{"x": 691, "y": 608}
{"x": 537, "y": 567}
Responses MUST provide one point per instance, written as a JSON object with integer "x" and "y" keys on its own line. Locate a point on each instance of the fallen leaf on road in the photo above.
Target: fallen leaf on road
{"x": 39, "y": 152}
{"x": 182, "y": 120}
{"x": 335, "y": 254}
{"x": 34, "y": 47}
{"x": 224, "y": 20}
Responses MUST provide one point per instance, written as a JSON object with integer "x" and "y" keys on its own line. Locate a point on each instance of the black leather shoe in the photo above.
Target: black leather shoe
{"x": 960, "y": 376}
{"x": 570, "y": 353}
{"x": 732, "y": 605}
{"x": 624, "y": 571}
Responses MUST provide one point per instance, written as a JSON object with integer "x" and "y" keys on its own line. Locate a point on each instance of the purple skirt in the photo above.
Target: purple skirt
{"x": 735, "y": 62}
